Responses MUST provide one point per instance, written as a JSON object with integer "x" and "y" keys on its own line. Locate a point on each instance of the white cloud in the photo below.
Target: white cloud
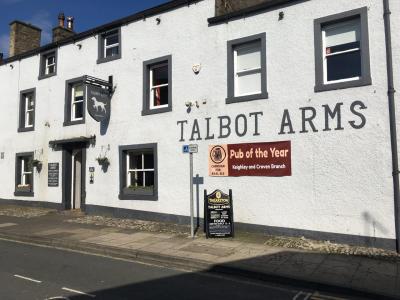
{"x": 4, "y": 42}
{"x": 42, "y": 19}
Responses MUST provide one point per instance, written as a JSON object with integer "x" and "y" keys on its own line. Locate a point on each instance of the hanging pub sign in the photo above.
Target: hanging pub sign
{"x": 250, "y": 159}
{"x": 98, "y": 98}
{"x": 218, "y": 213}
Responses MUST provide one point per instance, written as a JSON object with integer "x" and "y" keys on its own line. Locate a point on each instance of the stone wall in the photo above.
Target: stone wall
{"x": 60, "y": 33}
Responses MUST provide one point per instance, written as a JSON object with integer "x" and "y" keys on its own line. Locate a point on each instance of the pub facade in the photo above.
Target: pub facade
{"x": 291, "y": 104}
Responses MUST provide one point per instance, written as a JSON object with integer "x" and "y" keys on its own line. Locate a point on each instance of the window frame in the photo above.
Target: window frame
{"x": 23, "y": 110}
{"x": 102, "y": 46}
{"x": 43, "y": 63}
{"x": 148, "y": 65}
{"x": 320, "y": 62}
{"x": 20, "y": 191}
{"x": 231, "y": 68}
{"x": 124, "y": 194}
{"x": 68, "y": 121}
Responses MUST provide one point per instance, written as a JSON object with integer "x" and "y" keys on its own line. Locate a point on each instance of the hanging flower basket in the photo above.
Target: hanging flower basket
{"x": 36, "y": 163}
{"x": 103, "y": 161}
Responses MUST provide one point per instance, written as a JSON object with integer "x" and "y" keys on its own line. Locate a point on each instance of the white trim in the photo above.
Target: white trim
{"x": 135, "y": 171}
{"x": 152, "y": 88}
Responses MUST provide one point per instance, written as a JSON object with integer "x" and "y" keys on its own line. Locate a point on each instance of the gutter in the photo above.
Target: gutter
{"x": 392, "y": 120}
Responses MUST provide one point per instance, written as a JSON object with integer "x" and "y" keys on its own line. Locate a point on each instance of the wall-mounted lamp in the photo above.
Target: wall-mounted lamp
{"x": 281, "y": 16}
{"x": 79, "y": 46}
{"x": 11, "y": 66}
{"x": 158, "y": 21}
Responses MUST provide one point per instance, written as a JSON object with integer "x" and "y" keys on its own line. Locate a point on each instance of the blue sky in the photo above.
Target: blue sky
{"x": 87, "y": 13}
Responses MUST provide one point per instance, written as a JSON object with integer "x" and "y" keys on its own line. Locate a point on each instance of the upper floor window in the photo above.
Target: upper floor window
{"x": 109, "y": 45}
{"x": 24, "y": 174}
{"x": 48, "y": 64}
{"x": 247, "y": 69}
{"x": 157, "y": 81}
{"x": 27, "y": 110}
{"x": 342, "y": 54}
{"x": 75, "y": 101}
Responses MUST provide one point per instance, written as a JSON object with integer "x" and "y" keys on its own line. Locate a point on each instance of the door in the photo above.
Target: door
{"x": 73, "y": 176}
{"x": 76, "y": 179}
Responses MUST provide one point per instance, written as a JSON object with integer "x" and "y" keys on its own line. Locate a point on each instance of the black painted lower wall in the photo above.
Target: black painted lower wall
{"x": 31, "y": 203}
{"x": 116, "y": 212}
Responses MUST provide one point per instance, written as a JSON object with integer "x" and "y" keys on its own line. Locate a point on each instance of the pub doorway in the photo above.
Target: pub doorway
{"x": 73, "y": 181}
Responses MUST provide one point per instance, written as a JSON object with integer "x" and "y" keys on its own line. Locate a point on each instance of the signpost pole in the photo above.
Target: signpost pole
{"x": 191, "y": 197}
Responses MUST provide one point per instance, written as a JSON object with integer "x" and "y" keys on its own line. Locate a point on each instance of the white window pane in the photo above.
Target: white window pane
{"x": 111, "y": 40}
{"x": 248, "y": 57}
{"x": 29, "y": 118}
{"x": 248, "y": 84}
{"x": 343, "y": 33}
{"x": 78, "y": 91}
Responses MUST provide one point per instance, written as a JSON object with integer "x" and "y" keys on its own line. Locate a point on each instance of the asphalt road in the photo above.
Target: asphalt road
{"x": 32, "y": 272}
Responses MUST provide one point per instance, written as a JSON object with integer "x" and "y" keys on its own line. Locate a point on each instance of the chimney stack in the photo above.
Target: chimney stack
{"x": 223, "y": 7}
{"x": 61, "y": 32}
{"x": 23, "y": 37}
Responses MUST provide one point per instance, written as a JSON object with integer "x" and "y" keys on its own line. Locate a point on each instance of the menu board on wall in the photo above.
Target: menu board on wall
{"x": 53, "y": 174}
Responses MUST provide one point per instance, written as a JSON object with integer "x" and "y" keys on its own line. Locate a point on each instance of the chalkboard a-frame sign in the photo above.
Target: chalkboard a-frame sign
{"x": 218, "y": 212}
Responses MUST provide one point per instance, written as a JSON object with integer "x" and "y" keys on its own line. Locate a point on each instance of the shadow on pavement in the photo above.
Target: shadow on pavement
{"x": 283, "y": 275}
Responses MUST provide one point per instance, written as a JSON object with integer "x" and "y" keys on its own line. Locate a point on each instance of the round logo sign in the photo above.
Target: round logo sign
{"x": 217, "y": 154}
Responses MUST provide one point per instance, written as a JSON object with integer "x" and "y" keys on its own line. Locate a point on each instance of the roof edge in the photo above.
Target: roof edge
{"x": 171, "y": 5}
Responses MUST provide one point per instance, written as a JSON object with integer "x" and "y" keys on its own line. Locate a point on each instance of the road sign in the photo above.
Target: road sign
{"x": 192, "y": 148}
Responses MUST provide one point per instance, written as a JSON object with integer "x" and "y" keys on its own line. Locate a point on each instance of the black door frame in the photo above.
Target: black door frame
{"x": 67, "y": 174}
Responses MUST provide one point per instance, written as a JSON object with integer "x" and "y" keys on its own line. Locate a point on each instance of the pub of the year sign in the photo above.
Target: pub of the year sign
{"x": 218, "y": 212}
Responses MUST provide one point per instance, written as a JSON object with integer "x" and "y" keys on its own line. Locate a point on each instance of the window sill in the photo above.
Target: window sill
{"x": 137, "y": 195}
{"x": 146, "y": 112}
{"x": 320, "y": 87}
{"x": 26, "y": 129}
{"x": 46, "y": 76}
{"x": 107, "y": 59}
{"x": 23, "y": 193}
{"x": 70, "y": 123}
{"x": 261, "y": 96}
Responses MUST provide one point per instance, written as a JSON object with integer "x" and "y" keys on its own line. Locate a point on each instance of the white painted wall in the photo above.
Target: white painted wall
{"x": 341, "y": 180}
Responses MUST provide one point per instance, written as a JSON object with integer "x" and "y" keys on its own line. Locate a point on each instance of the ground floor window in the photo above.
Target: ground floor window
{"x": 138, "y": 172}
{"x": 24, "y": 174}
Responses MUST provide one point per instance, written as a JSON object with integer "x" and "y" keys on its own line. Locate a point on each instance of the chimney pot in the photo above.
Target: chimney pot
{"x": 61, "y": 19}
{"x": 70, "y": 23}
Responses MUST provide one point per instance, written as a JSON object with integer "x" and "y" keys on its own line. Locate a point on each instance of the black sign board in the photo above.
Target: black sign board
{"x": 53, "y": 174}
{"x": 218, "y": 212}
{"x": 98, "y": 102}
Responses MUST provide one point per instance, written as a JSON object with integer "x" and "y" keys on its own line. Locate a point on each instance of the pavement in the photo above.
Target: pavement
{"x": 366, "y": 277}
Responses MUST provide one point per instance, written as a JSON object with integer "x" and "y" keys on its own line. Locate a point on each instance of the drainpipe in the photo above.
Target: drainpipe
{"x": 392, "y": 119}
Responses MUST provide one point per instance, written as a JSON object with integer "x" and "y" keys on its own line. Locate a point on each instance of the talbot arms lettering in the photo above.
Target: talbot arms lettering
{"x": 222, "y": 127}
